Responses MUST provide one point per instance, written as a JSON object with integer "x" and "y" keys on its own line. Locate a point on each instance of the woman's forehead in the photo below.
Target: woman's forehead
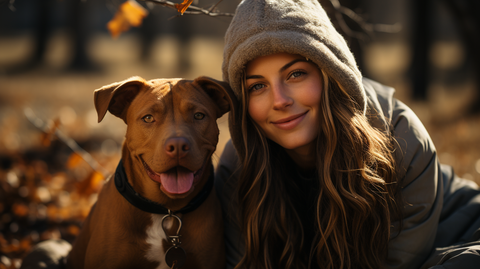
{"x": 269, "y": 61}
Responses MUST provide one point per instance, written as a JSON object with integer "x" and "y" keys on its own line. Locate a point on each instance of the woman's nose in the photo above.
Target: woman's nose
{"x": 281, "y": 98}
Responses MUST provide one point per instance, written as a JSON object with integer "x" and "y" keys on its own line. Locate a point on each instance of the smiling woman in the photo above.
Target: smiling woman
{"x": 326, "y": 169}
{"x": 284, "y": 93}
{"x": 305, "y": 140}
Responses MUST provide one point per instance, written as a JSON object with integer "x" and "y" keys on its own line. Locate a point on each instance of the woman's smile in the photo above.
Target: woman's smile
{"x": 291, "y": 122}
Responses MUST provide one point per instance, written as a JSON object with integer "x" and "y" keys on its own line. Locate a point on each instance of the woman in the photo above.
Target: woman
{"x": 326, "y": 169}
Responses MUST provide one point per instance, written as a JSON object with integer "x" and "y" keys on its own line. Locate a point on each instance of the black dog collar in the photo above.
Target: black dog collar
{"x": 142, "y": 203}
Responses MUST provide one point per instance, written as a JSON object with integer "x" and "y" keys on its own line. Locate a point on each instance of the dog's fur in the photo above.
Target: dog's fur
{"x": 118, "y": 235}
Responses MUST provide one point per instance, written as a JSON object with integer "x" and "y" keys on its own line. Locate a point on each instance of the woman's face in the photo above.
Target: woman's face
{"x": 284, "y": 92}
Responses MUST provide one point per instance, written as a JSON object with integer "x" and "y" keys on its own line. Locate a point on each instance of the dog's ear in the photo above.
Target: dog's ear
{"x": 220, "y": 92}
{"x": 117, "y": 97}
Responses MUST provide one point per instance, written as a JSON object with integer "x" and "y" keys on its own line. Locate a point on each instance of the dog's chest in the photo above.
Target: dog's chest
{"x": 156, "y": 238}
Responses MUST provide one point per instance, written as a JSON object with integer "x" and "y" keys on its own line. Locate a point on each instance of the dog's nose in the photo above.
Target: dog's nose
{"x": 177, "y": 147}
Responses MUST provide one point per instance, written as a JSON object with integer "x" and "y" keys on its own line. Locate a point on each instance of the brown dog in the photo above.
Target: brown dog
{"x": 159, "y": 209}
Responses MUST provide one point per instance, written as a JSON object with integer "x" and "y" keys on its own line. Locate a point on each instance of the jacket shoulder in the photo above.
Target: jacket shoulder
{"x": 380, "y": 103}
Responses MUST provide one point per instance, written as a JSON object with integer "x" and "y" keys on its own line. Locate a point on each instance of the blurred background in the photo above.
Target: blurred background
{"x": 54, "y": 156}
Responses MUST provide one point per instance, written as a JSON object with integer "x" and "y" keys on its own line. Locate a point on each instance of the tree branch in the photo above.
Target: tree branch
{"x": 194, "y": 10}
{"x": 339, "y": 12}
{"x": 72, "y": 144}
{"x": 367, "y": 28}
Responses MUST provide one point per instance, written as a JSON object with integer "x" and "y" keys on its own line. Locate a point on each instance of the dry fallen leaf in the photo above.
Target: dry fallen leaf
{"x": 129, "y": 14}
{"x": 20, "y": 210}
{"x": 183, "y": 6}
{"x": 73, "y": 230}
{"x": 74, "y": 160}
{"x": 91, "y": 184}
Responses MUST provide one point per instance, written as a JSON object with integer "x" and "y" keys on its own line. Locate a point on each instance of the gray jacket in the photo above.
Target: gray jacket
{"x": 441, "y": 212}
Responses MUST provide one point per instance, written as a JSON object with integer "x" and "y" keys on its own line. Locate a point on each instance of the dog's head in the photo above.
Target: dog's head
{"x": 171, "y": 129}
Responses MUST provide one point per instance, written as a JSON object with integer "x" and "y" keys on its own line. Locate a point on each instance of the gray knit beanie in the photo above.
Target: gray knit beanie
{"x": 264, "y": 27}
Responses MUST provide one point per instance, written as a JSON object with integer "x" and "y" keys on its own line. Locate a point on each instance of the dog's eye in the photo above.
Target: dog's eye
{"x": 199, "y": 116}
{"x": 148, "y": 119}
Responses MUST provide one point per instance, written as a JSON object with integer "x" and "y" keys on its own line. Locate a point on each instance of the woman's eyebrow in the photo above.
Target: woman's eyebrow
{"x": 253, "y": 76}
{"x": 285, "y": 67}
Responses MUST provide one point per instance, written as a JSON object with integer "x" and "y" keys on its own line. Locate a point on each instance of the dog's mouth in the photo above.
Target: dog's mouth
{"x": 178, "y": 180}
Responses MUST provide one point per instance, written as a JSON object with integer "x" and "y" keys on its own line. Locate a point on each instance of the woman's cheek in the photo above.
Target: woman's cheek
{"x": 256, "y": 110}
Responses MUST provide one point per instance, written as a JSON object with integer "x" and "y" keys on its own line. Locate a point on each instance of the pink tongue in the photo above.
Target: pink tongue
{"x": 177, "y": 181}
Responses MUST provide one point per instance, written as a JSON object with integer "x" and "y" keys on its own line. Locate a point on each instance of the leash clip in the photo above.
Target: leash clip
{"x": 175, "y": 256}
{"x": 174, "y": 239}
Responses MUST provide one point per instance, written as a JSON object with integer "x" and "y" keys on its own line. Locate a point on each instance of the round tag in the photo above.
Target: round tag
{"x": 177, "y": 255}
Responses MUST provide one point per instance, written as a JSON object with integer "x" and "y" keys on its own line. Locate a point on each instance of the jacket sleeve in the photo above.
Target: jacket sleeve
{"x": 421, "y": 184}
{"x": 226, "y": 178}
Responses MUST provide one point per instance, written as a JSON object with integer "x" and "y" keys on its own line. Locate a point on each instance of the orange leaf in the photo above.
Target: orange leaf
{"x": 20, "y": 210}
{"x": 91, "y": 184}
{"x": 52, "y": 211}
{"x": 25, "y": 244}
{"x": 129, "y": 14}
{"x": 74, "y": 160}
{"x": 96, "y": 179}
{"x": 73, "y": 230}
{"x": 183, "y": 6}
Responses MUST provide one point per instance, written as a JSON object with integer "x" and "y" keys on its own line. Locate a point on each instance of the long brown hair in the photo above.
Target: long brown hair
{"x": 355, "y": 192}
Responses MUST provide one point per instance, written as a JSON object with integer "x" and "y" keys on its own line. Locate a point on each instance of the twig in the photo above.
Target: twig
{"x": 196, "y": 10}
{"x": 214, "y": 6}
{"x": 340, "y": 11}
{"x": 40, "y": 124}
{"x": 368, "y": 28}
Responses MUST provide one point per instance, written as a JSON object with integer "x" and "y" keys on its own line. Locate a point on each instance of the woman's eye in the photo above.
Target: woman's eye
{"x": 256, "y": 87}
{"x": 199, "y": 116}
{"x": 148, "y": 119}
{"x": 297, "y": 74}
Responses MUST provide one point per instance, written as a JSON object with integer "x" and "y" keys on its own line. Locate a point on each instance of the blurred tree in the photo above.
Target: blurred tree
{"x": 77, "y": 26}
{"x": 464, "y": 16}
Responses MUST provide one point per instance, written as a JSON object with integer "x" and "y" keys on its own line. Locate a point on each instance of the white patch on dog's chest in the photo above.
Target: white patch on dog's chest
{"x": 155, "y": 237}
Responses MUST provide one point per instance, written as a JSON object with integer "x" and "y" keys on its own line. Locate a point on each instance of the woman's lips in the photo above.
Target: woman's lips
{"x": 289, "y": 122}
